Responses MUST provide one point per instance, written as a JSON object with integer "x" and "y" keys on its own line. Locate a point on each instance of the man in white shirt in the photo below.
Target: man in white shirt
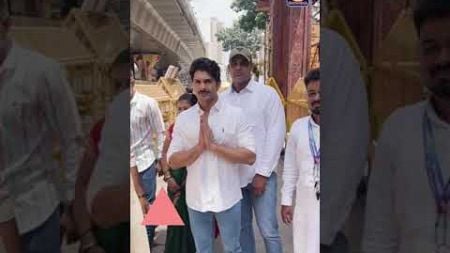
{"x": 344, "y": 137}
{"x": 408, "y": 194}
{"x": 37, "y": 111}
{"x": 211, "y": 139}
{"x": 301, "y": 174}
{"x": 265, "y": 112}
{"x": 146, "y": 124}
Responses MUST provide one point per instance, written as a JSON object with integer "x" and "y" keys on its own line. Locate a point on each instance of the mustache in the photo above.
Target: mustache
{"x": 203, "y": 92}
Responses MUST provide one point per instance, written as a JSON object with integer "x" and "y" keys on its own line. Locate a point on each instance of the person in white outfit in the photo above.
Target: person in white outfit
{"x": 301, "y": 174}
{"x": 407, "y": 203}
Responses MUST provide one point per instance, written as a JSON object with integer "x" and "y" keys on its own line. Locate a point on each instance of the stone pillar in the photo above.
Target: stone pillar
{"x": 291, "y": 35}
{"x": 280, "y": 43}
{"x": 300, "y": 45}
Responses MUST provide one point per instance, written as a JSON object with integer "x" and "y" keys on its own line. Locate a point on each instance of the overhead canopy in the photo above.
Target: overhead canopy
{"x": 179, "y": 16}
{"x": 165, "y": 28}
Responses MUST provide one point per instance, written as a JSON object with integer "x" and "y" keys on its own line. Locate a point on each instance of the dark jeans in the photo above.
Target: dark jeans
{"x": 44, "y": 239}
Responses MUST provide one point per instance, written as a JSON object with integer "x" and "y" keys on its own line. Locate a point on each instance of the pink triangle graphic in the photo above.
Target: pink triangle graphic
{"x": 162, "y": 212}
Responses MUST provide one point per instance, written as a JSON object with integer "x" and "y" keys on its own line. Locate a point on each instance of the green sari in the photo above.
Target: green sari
{"x": 179, "y": 238}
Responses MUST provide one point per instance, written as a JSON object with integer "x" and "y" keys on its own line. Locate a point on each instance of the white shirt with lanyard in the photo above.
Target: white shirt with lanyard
{"x": 401, "y": 211}
{"x": 301, "y": 177}
{"x": 301, "y": 171}
{"x": 441, "y": 191}
{"x": 315, "y": 151}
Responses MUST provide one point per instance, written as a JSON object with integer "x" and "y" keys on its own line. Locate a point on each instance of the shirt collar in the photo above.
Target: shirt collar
{"x": 314, "y": 124}
{"x": 250, "y": 87}
{"x": 217, "y": 107}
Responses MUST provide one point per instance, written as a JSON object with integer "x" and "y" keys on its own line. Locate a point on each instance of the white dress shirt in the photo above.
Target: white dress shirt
{"x": 37, "y": 107}
{"x": 299, "y": 180}
{"x": 401, "y": 209}
{"x": 344, "y": 133}
{"x": 146, "y": 123}
{"x": 212, "y": 182}
{"x": 112, "y": 164}
{"x": 264, "y": 111}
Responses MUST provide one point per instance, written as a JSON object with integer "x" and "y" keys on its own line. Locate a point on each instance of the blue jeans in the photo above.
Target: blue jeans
{"x": 265, "y": 207}
{"x": 148, "y": 180}
{"x": 44, "y": 239}
{"x": 229, "y": 222}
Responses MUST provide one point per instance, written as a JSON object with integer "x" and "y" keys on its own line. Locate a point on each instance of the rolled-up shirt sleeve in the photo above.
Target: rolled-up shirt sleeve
{"x": 132, "y": 159}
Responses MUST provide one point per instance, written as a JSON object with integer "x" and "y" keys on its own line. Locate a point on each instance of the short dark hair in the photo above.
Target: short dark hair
{"x": 189, "y": 97}
{"x": 430, "y": 9}
{"x": 207, "y": 65}
{"x": 313, "y": 75}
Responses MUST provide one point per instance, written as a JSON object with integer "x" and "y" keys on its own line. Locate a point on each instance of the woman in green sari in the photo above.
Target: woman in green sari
{"x": 179, "y": 238}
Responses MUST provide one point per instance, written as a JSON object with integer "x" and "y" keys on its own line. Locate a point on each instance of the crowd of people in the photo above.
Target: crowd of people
{"x": 220, "y": 160}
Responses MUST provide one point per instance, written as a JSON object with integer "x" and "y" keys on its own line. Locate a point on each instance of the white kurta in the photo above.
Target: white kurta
{"x": 138, "y": 234}
{"x": 400, "y": 212}
{"x": 298, "y": 178}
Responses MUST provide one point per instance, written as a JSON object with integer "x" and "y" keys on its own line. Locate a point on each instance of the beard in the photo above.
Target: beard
{"x": 316, "y": 110}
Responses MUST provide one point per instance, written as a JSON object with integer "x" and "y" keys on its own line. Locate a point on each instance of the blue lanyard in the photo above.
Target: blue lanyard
{"x": 312, "y": 145}
{"x": 440, "y": 191}
{"x": 316, "y": 156}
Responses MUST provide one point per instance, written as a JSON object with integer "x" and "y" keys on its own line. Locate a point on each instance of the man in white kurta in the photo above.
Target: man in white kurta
{"x": 301, "y": 174}
{"x": 406, "y": 210}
